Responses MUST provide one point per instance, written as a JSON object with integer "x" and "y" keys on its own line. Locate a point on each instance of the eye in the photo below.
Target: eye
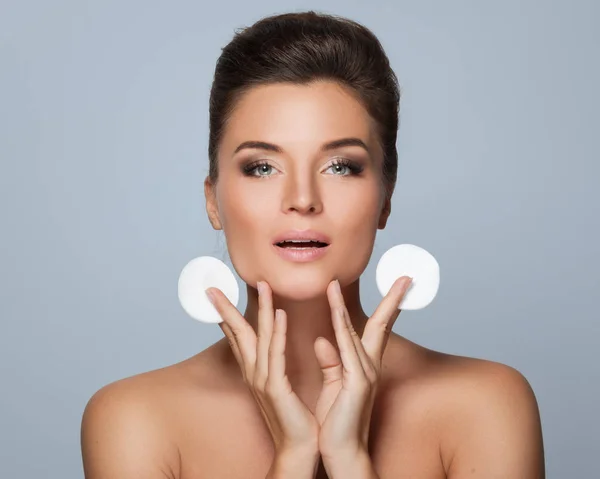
{"x": 263, "y": 166}
{"x": 260, "y": 165}
{"x": 341, "y": 163}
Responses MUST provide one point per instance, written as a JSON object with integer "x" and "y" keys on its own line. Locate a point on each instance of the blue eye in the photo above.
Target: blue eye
{"x": 261, "y": 165}
{"x": 249, "y": 169}
{"x": 354, "y": 168}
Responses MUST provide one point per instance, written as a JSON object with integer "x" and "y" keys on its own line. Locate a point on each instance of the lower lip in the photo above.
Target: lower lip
{"x": 301, "y": 255}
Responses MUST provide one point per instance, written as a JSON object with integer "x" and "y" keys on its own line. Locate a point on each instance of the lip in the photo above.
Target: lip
{"x": 302, "y": 235}
{"x": 301, "y": 255}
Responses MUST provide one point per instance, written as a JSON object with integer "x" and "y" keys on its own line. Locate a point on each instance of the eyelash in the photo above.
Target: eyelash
{"x": 354, "y": 168}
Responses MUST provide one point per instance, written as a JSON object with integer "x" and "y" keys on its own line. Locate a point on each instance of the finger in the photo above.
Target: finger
{"x": 277, "y": 349}
{"x": 265, "y": 333}
{"x": 234, "y": 347}
{"x": 366, "y": 362}
{"x": 243, "y": 334}
{"x": 348, "y": 352}
{"x": 379, "y": 326}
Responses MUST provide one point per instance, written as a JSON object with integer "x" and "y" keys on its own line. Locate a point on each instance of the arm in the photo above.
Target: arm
{"x": 121, "y": 437}
{"x": 499, "y": 432}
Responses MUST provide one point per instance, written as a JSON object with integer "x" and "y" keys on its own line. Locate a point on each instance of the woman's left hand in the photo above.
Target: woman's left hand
{"x": 350, "y": 382}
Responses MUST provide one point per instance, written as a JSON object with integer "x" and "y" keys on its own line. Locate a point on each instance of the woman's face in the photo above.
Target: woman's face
{"x": 300, "y": 187}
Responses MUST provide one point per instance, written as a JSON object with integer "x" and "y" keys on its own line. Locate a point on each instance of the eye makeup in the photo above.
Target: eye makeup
{"x": 353, "y": 167}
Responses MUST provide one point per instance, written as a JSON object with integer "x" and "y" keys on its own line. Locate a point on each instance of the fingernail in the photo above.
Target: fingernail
{"x": 210, "y": 295}
{"x": 259, "y": 287}
{"x": 337, "y": 286}
{"x": 402, "y": 284}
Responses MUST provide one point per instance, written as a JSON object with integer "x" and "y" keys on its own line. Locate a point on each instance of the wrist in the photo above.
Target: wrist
{"x": 356, "y": 465}
{"x": 296, "y": 463}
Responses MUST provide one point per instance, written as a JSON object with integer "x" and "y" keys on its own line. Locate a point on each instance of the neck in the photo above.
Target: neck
{"x": 306, "y": 321}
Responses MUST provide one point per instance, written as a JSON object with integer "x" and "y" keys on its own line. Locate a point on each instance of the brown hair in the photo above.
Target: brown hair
{"x": 300, "y": 48}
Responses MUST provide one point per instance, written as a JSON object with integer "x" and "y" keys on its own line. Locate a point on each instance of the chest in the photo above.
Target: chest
{"x": 236, "y": 444}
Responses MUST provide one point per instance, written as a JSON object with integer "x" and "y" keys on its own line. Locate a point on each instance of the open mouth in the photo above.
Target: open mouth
{"x": 301, "y": 244}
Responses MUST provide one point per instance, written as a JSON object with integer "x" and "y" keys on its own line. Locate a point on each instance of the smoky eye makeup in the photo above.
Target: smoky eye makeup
{"x": 354, "y": 168}
{"x": 248, "y": 168}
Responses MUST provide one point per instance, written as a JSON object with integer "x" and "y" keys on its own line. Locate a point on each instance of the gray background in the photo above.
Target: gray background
{"x": 104, "y": 109}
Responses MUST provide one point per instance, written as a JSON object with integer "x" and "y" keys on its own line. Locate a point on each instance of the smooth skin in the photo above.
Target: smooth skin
{"x": 434, "y": 415}
{"x": 341, "y": 424}
{"x": 261, "y": 358}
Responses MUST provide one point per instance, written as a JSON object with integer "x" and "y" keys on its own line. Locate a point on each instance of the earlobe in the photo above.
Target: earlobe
{"x": 213, "y": 216}
{"x": 382, "y": 221}
{"x": 385, "y": 213}
{"x": 214, "y": 220}
{"x": 216, "y": 223}
{"x": 211, "y": 209}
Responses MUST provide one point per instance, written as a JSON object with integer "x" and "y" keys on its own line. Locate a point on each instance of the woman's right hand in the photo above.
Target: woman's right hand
{"x": 262, "y": 361}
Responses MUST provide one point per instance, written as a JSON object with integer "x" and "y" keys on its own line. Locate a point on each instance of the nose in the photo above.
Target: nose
{"x": 302, "y": 194}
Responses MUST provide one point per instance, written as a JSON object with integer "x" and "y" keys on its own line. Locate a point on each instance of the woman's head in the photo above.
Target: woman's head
{"x": 299, "y": 81}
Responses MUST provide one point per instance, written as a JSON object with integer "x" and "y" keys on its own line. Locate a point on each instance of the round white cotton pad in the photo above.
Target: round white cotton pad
{"x": 420, "y": 265}
{"x": 202, "y": 273}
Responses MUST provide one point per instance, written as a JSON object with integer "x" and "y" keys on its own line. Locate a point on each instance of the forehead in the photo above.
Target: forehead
{"x": 297, "y": 116}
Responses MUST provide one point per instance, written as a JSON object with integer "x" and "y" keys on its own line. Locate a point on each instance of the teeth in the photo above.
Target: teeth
{"x": 300, "y": 241}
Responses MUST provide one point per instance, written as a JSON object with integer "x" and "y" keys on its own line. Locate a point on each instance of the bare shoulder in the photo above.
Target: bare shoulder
{"x": 486, "y": 411}
{"x": 129, "y": 427}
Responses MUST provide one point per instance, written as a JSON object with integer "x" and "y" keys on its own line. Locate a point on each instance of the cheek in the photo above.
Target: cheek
{"x": 355, "y": 227}
{"x": 242, "y": 209}
{"x": 247, "y": 226}
{"x": 358, "y": 211}
{"x": 247, "y": 222}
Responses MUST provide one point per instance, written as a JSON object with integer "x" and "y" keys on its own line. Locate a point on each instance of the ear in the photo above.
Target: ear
{"x": 385, "y": 213}
{"x": 211, "y": 204}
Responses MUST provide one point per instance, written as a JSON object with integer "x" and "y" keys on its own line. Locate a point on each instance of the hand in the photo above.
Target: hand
{"x": 262, "y": 361}
{"x": 350, "y": 382}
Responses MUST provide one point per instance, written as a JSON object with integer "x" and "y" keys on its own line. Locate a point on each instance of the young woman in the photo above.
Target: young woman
{"x": 303, "y": 124}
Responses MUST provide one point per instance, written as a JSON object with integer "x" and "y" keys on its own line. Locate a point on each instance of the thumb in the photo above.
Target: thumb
{"x": 329, "y": 360}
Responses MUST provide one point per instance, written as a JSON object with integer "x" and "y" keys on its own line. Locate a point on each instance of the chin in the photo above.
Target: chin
{"x": 300, "y": 290}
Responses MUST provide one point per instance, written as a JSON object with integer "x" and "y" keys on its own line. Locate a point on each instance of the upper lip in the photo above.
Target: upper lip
{"x": 307, "y": 235}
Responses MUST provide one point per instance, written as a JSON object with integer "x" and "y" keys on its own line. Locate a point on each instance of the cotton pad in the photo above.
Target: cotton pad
{"x": 409, "y": 260}
{"x": 202, "y": 273}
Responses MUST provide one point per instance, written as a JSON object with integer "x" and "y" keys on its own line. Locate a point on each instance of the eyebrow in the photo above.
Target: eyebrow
{"x": 331, "y": 145}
